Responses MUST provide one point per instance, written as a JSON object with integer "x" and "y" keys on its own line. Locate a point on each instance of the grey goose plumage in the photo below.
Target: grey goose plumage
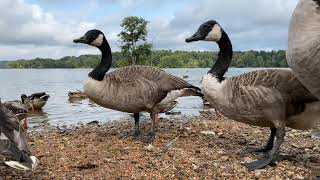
{"x": 132, "y": 89}
{"x": 13, "y": 142}
{"x": 272, "y": 98}
{"x": 303, "y": 54}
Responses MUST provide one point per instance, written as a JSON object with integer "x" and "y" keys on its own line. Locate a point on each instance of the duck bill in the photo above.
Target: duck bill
{"x": 195, "y": 37}
{"x": 81, "y": 40}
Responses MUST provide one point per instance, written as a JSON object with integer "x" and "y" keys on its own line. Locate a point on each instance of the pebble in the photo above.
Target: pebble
{"x": 208, "y": 133}
{"x": 298, "y": 177}
{"x": 224, "y": 158}
{"x": 257, "y": 174}
{"x": 195, "y": 167}
{"x": 247, "y": 159}
{"x": 149, "y": 148}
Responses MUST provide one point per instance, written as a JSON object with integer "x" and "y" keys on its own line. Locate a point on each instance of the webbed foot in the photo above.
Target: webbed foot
{"x": 259, "y": 164}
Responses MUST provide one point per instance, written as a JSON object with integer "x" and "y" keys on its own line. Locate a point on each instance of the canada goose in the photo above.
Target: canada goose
{"x": 303, "y": 54}
{"x": 272, "y": 98}
{"x": 35, "y": 101}
{"x": 132, "y": 89}
{"x": 13, "y": 142}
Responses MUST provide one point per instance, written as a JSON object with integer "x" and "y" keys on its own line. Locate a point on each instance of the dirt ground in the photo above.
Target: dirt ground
{"x": 180, "y": 150}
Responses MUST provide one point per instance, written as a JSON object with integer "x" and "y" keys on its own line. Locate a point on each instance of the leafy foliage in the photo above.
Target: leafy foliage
{"x": 134, "y": 32}
{"x": 161, "y": 58}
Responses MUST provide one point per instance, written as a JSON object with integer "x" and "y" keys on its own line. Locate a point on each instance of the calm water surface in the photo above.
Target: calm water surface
{"x": 57, "y": 82}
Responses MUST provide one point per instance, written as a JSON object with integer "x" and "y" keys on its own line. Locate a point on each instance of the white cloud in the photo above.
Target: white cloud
{"x": 250, "y": 24}
{"x": 28, "y": 31}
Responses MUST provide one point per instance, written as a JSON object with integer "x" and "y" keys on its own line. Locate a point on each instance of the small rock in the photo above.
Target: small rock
{"x": 298, "y": 177}
{"x": 187, "y": 128}
{"x": 247, "y": 160}
{"x": 195, "y": 167}
{"x": 149, "y": 148}
{"x": 257, "y": 174}
{"x": 224, "y": 158}
{"x": 173, "y": 113}
{"x": 220, "y": 152}
{"x": 93, "y": 123}
{"x": 208, "y": 133}
{"x": 315, "y": 135}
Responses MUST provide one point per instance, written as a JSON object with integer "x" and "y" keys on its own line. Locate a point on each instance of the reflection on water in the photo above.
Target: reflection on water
{"x": 58, "y": 82}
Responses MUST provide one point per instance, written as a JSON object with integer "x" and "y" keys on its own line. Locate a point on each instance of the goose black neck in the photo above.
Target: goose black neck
{"x": 223, "y": 62}
{"x": 100, "y": 70}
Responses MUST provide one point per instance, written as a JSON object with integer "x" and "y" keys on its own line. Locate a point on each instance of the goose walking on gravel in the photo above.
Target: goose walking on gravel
{"x": 272, "y": 98}
{"x": 132, "y": 89}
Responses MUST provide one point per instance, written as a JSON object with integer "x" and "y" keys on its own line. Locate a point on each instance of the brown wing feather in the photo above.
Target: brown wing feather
{"x": 281, "y": 80}
{"x": 140, "y": 88}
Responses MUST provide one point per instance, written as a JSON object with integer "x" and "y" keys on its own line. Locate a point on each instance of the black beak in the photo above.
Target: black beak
{"x": 195, "y": 37}
{"x": 81, "y": 40}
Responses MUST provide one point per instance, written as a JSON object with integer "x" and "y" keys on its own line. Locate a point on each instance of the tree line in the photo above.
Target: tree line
{"x": 160, "y": 58}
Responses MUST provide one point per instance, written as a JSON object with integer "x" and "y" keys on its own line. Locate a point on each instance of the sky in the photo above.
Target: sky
{"x": 46, "y": 28}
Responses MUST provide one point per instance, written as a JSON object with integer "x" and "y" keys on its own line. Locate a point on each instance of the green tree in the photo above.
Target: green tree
{"x": 134, "y": 31}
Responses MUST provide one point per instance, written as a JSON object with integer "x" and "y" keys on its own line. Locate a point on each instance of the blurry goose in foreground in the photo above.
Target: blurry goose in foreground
{"x": 17, "y": 108}
{"x": 132, "y": 89}
{"x": 303, "y": 54}
{"x": 13, "y": 142}
{"x": 272, "y": 98}
{"x": 35, "y": 101}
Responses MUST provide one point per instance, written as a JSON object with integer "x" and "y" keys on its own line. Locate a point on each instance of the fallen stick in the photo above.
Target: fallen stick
{"x": 169, "y": 145}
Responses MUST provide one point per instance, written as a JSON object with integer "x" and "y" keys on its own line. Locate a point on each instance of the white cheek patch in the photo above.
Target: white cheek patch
{"x": 215, "y": 34}
{"x": 4, "y": 137}
{"x": 98, "y": 41}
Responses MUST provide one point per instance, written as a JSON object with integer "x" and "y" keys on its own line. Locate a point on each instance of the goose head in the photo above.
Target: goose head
{"x": 92, "y": 37}
{"x": 208, "y": 31}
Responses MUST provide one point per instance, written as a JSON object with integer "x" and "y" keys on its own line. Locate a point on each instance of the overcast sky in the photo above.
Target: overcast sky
{"x": 45, "y": 28}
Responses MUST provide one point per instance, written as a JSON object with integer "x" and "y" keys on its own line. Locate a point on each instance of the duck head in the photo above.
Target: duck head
{"x": 23, "y": 98}
{"x": 92, "y": 37}
{"x": 208, "y": 31}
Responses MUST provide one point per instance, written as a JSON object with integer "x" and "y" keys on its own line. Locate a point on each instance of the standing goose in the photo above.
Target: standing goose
{"x": 269, "y": 98}
{"x": 132, "y": 89}
{"x": 13, "y": 142}
{"x": 303, "y": 54}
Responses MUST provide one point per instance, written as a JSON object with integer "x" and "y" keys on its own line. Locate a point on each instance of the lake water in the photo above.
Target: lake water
{"x": 57, "y": 82}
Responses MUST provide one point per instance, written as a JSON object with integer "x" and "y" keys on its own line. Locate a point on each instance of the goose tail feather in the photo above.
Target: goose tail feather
{"x": 23, "y": 166}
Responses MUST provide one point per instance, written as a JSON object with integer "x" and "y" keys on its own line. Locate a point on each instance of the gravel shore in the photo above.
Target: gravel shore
{"x": 184, "y": 148}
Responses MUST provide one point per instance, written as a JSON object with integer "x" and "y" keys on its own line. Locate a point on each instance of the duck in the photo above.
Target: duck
{"x": 272, "y": 98}
{"x": 35, "y": 101}
{"x": 303, "y": 53}
{"x": 13, "y": 142}
{"x": 132, "y": 89}
{"x": 76, "y": 95}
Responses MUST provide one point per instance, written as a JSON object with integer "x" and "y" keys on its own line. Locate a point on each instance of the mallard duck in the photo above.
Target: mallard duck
{"x": 272, "y": 98}
{"x": 35, "y": 101}
{"x": 77, "y": 95}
